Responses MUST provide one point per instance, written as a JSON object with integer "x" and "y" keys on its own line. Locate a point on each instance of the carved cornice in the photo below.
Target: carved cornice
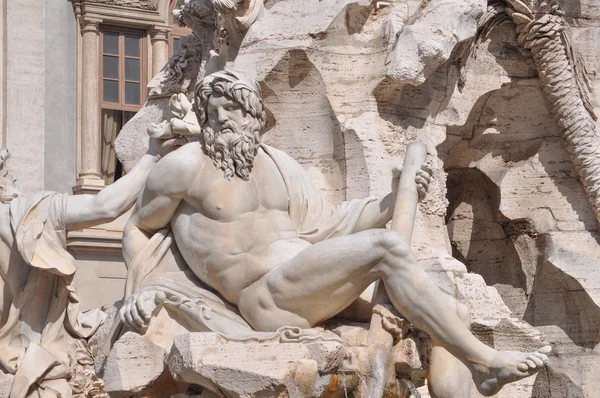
{"x": 144, "y": 14}
{"x": 139, "y": 4}
{"x": 90, "y": 26}
{"x": 159, "y": 34}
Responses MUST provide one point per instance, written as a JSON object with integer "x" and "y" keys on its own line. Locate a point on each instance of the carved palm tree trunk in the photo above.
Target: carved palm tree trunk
{"x": 563, "y": 74}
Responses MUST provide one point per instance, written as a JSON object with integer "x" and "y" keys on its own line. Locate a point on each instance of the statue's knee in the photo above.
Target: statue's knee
{"x": 392, "y": 244}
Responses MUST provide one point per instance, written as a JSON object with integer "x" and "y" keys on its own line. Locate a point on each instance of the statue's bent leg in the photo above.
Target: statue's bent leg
{"x": 325, "y": 278}
{"x": 448, "y": 376}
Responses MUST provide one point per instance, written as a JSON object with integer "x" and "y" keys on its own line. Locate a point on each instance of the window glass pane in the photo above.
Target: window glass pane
{"x": 110, "y": 67}
{"x": 132, "y": 93}
{"x": 132, "y": 45}
{"x": 176, "y": 45}
{"x": 111, "y": 43}
{"x": 132, "y": 69}
{"x": 111, "y": 91}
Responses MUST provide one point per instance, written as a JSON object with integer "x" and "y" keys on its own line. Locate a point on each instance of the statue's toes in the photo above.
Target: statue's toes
{"x": 522, "y": 367}
{"x": 545, "y": 350}
{"x": 543, "y": 357}
{"x": 538, "y": 362}
{"x": 531, "y": 363}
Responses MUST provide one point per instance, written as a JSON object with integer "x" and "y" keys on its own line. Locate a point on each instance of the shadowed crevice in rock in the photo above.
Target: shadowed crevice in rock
{"x": 293, "y": 84}
{"x": 551, "y": 383}
{"x": 559, "y": 300}
{"x": 398, "y": 102}
{"x": 356, "y": 17}
{"x": 480, "y": 240}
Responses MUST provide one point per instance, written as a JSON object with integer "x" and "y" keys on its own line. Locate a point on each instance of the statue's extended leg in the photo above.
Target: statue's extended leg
{"x": 448, "y": 376}
{"x": 325, "y": 278}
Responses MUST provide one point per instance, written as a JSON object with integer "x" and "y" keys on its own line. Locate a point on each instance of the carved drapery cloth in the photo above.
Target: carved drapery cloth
{"x": 160, "y": 266}
{"x": 44, "y": 319}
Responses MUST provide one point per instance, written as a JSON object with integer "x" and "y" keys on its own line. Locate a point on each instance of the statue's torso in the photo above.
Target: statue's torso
{"x": 231, "y": 233}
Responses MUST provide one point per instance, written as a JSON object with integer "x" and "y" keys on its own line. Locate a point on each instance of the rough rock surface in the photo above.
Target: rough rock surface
{"x": 250, "y": 370}
{"x": 133, "y": 364}
{"x": 6, "y": 380}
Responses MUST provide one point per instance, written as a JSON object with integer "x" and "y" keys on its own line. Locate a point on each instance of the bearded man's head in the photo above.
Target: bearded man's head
{"x": 231, "y": 113}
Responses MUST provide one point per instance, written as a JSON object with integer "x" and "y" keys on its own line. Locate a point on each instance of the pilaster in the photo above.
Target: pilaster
{"x": 88, "y": 176}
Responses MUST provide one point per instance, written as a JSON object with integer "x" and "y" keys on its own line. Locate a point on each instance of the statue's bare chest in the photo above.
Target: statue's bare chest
{"x": 228, "y": 200}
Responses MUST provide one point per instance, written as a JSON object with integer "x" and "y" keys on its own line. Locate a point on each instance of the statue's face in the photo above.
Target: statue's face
{"x": 221, "y": 110}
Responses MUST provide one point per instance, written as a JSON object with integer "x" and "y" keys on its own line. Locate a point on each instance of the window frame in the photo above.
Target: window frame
{"x": 122, "y": 31}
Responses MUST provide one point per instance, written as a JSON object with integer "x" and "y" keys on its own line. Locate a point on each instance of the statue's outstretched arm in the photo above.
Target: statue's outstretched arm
{"x": 88, "y": 210}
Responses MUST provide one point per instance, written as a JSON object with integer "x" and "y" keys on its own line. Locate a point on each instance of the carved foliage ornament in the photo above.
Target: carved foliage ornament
{"x": 565, "y": 80}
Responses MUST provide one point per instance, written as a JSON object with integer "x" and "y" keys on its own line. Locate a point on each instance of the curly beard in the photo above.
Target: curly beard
{"x": 233, "y": 148}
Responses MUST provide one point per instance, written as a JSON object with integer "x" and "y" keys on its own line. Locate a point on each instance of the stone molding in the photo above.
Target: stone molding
{"x": 144, "y": 14}
{"x": 90, "y": 26}
{"x": 141, "y": 4}
{"x": 159, "y": 34}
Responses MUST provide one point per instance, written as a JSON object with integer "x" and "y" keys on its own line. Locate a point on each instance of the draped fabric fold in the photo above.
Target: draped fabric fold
{"x": 44, "y": 318}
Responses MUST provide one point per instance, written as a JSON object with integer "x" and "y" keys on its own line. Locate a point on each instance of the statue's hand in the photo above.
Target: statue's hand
{"x": 422, "y": 179}
{"x": 138, "y": 308}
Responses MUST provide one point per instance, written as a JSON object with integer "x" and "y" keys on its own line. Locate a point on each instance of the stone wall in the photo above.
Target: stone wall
{"x": 61, "y": 79}
{"x": 38, "y": 79}
{"x": 25, "y": 97}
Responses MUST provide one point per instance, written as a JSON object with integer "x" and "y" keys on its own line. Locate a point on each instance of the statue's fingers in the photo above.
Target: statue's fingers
{"x": 128, "y": 319}
{"x": 420, "y": 180}
{"x": 427, "y": 168}
{"x": 143, "y": 310}
{"x": 122, "y": 314}
{"x": 421, "y": 191}
{"x": 124, "y": 309}
{"x": 160, "y": 297}
{"x": 423, "y": 174}
{"x": 136, "y": 318}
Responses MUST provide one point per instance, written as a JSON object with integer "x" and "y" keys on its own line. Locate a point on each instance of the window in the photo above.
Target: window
{"x": 122, "y": 89}
{"x": 123, "y": 69}
{"x": 176, "y": 32}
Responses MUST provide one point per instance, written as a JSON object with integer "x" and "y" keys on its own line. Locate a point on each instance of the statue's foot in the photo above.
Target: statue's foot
{"x": 506, "y": 367}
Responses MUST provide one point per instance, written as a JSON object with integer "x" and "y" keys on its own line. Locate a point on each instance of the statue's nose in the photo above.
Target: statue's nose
{"x": 222, "y": 116}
